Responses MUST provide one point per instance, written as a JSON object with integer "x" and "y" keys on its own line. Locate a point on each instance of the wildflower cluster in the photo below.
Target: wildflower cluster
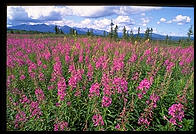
{"x": 177, "y": 112}
{"x": 143, "y": 86}
{"x": 97, "y": 120}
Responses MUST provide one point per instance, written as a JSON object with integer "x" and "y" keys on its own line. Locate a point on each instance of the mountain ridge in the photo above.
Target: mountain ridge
{"x": 66, "y": 30}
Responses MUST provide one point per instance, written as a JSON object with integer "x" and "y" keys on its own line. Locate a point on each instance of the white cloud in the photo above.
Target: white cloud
{"x": 170, "y": 21}
{"x": 123, "y": 19}
{"x": 145, "y": 20}
{"x": 144, "y": 25}
{"x": 143, "y": 14}
{"x": 158, "y": 22}
{"x": 180, "y": 18}
{"x": 180, "y": 23}
{"x": 162, "y": 20}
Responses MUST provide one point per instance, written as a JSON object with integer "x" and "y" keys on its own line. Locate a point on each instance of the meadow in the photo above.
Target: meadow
{"x": 97, "y": 84}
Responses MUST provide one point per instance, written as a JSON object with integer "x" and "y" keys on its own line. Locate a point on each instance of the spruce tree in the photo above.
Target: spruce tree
{"x": 124, "y": 33}
{"x": 116, "y": 32}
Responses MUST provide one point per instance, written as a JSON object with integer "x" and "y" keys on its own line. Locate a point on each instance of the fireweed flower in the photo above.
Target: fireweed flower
{"x": 169, "y": 66}
{"x": 154, "y": 98}
{"x": 143, "y": 86}
{"x": 44, "y": 66}
{"x": 76, "y": 76}
{"x": 177, "y": 112}
{"x": 135, "y": 76}
{"x": 39, "y": 94}
{"x": 81, "y": 56}
{"x": 133, "y": 58}
{"x": 99, "y": 62}
{"x": 94, "y": 90}
{"x": 67, "y": 58}
{"x": 90, "y": 72}
{"x": 57, "y": 67}
{"x": 97, "y": 120}
{"x": 63, "y": 125}
{"x": 105, "y": 82}
{"x": 147, "y": 52}
{"x": 35, "y": 110}
{"x": 24, "y": 99}
{"x": 120, "y": 84}
{"x": 20, "y": 117}
{"x": 118, "y": 64}
{"x": 117, "y": 126}
{"x": 106, "y": 101}
{"x": 50, "y": 87}
{"x": 143, "y": 121}
{"x": 61, "y": 88}
{"x": 22, "y": 77}
{"x": 41, "y": 76}
{"x": 156, "y": 50}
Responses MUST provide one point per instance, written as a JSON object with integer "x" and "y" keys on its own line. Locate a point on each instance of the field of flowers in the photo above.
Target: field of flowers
{"x": 95, "y": 84}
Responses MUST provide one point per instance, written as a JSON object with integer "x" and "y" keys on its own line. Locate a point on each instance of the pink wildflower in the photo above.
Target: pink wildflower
{"x": 106, "y": 101}
{"x": 97, "y": 120}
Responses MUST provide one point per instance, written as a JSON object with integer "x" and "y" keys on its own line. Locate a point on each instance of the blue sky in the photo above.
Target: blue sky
{"x": 174, "y": 21}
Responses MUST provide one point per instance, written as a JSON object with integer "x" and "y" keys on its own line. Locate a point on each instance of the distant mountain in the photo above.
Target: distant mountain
{"x": 66, "y": 30}
{"x": 38, "y": 27}
{"x": 95, "y": 31}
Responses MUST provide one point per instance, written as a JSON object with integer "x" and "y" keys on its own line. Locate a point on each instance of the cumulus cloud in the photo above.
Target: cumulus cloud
{"x": 27, "y": 15}
{"x": 180, "y": 18}
{"x": 57, "y": 15}
{"x": 145, "y": 20}
{"x": 144, "y": 25}
{"x": 170, "y": 21}
{"x": 162, "y": 20}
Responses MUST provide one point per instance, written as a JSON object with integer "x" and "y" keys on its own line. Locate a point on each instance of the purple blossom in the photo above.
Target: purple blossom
{"x": 39, "y": 94}
{"x": 90, "y": 72}
{"x": 143, "y": 87}
{"x": 94, "y": 90}
{"x": 133, "y": 58}
{"x": 97, "y": 120}
{"x": 177, "y": 112}
{"x": 143, "y": 121}
{"x": 35, "y": 110}
{"x": 117, "y": 126}
{"x": 144, "y": 84}
{"x": 120, "y": 84}
{"x": 20, "y": 117}
{"x": 61, "y": 88}
{"x": 106, "y": 101}
{"x": 22, "y": 77}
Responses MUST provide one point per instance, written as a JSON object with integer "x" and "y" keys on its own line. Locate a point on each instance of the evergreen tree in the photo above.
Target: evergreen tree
{"x": 61, "y": 31}
{"x": 104, "y": 33}
{"x": 111, "y": 32}
{"x": 56, "y": 29}
{"x": 151, "y": 30}
{"x": 71, "y": 31}
{"x": 189, "y": 33}
{"x": 127, "y": 34}
{"x": 147, "y": 32}
{"x": 131, "y": 35}
{"x": 138, "y": 33}
{"x": 116, "y": 32}
{"x": 88, "y": 32}
{"x": 124, "y": 33}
